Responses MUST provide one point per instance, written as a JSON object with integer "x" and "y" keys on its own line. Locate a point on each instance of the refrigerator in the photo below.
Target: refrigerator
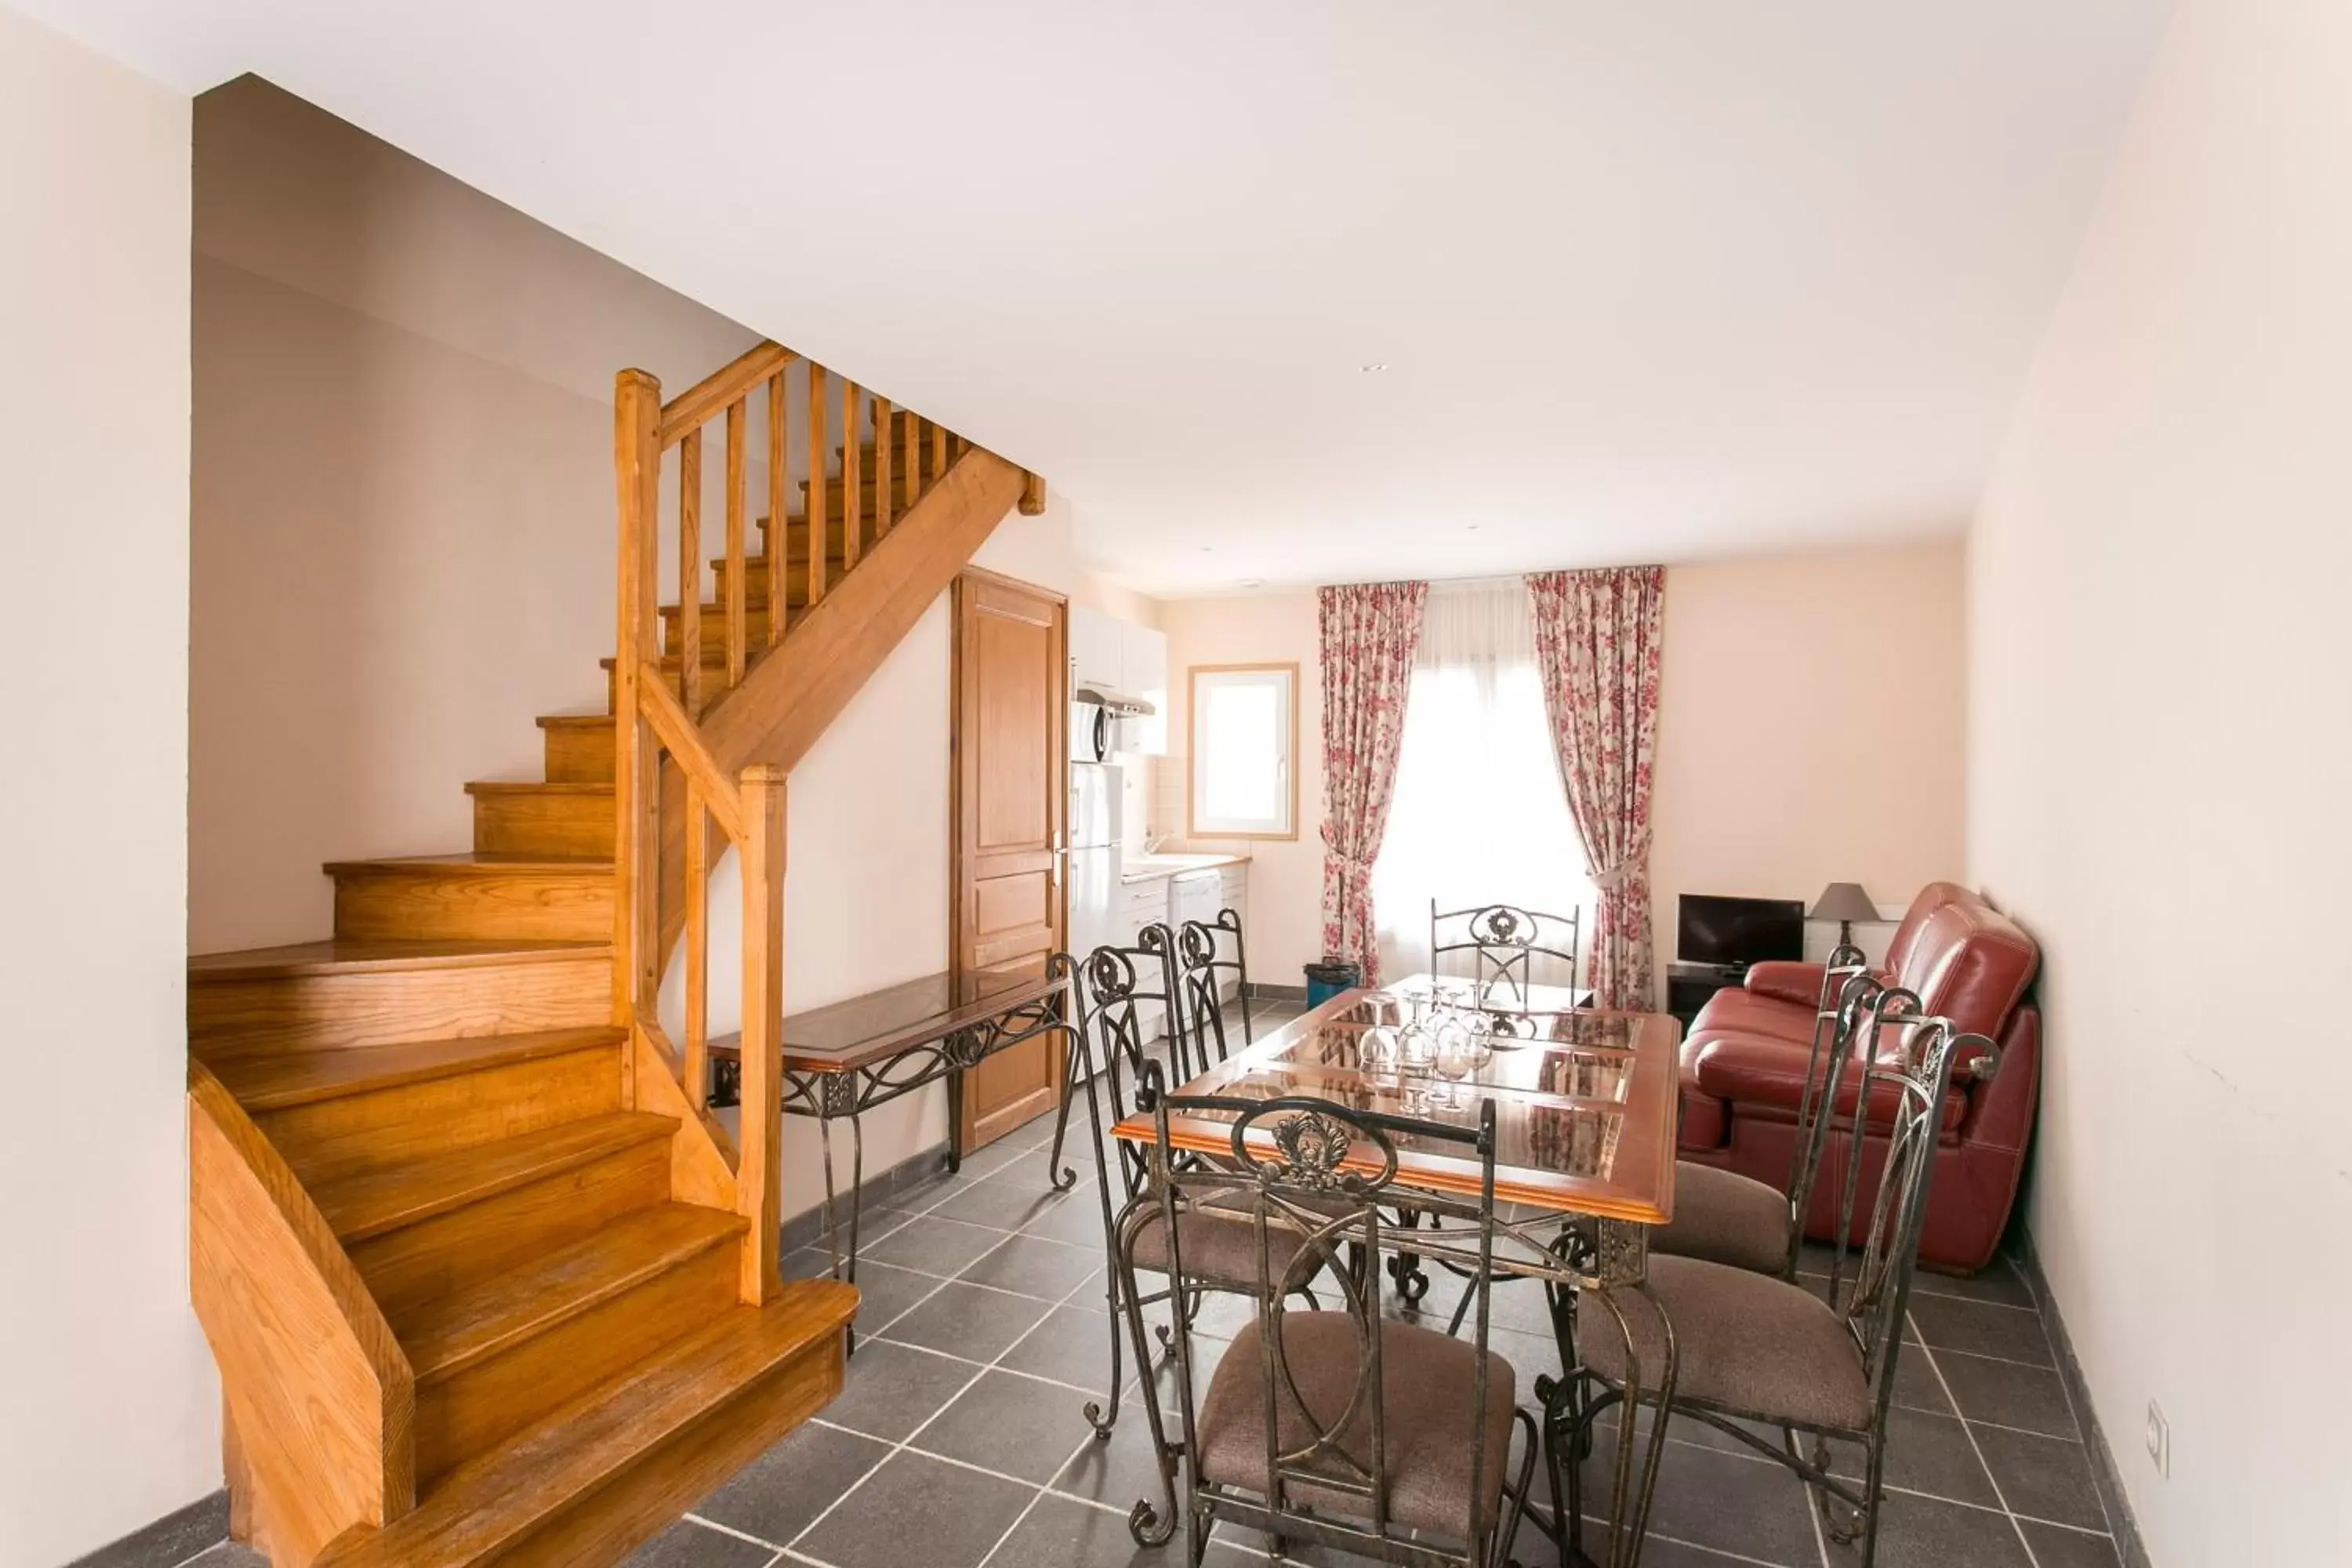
{"x": 1095, "y": 814}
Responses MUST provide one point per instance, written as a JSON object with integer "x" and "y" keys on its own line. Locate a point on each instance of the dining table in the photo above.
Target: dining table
{"x": 1585, "y": 1109}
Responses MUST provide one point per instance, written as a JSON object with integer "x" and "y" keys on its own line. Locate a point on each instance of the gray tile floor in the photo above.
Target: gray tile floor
{"x": 959, "y": 1441}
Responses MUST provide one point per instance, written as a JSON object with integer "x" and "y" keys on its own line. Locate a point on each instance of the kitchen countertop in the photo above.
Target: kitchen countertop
{"x": 1153, "y": 868}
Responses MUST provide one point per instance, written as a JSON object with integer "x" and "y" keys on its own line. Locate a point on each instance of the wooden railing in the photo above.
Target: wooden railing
{"x": 665, "y": 687}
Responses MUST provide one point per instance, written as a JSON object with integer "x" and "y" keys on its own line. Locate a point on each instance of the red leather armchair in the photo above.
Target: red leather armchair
{"x": 1743, "y": 1074}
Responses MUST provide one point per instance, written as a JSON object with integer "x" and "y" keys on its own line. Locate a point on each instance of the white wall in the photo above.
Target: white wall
{"x": 2158, "y": 775}
{"x": 402, "y": 498}
{"x": 1822, "y": 694}
{"x": 107, "y": 1399}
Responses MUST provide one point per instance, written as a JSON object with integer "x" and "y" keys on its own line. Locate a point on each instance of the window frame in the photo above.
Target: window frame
{"x": 1286, "y": 674}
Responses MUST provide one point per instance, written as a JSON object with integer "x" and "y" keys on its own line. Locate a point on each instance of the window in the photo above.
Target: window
{"x": 1478, "y": 816}
{"x": 1244, "y": 734}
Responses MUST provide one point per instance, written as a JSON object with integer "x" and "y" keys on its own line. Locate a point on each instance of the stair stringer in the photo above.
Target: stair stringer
{"x": 789, "y": 699}
{"x": 320, "y": 1396}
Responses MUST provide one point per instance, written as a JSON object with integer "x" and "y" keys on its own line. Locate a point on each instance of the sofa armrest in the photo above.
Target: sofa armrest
{"x": 1785, "y": 981}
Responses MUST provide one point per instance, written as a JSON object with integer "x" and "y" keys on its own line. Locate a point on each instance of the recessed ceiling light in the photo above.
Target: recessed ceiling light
{"x": 1377, "y": 365}
{"x": 1252, "y": 583}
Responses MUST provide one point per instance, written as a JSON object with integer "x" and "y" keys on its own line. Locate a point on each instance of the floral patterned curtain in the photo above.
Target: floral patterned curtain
{"x": 1597, "y": 639}
{"x": 1368, "y": 633}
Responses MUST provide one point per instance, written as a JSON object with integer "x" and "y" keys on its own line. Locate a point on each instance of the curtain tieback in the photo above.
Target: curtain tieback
{"x": 1635, "y": 858}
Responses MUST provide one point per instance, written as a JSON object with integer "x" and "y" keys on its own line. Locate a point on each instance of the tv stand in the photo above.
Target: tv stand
{"x": 1688, "y": 985}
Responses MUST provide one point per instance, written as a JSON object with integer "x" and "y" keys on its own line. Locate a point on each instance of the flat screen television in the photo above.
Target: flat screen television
{"x": 1739, "y": 931}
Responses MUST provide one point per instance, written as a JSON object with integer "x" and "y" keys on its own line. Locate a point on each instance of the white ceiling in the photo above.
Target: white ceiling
{"x": 1652, "y": 279}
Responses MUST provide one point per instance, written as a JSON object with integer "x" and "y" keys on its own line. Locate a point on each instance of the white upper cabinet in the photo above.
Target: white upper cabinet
{"x": 1096, "y": 647}
{"x": 1122, "y": 657}
{"x": 1143, "y": 672}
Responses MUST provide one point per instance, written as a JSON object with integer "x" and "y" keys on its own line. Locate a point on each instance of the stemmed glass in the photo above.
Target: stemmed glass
{"x": 1457, "y": 1058}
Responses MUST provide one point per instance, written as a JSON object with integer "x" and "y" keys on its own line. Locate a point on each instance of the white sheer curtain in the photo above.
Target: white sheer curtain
{"x": 1478, "y": 818}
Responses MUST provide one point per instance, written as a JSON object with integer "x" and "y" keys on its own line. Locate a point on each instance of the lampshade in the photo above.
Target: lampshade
{"x": 1844, "y": 901}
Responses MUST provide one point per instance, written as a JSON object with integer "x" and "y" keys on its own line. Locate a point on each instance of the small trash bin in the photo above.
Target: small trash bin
{"x": 1328, "y": 978}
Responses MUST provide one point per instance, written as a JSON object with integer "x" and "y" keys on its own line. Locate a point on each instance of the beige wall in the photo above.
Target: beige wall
{"x": 1284, "y": 917}
{"x": 107, "y": 1399}
{"x": 1758, "y": 792}
{"x": 402, "y": 498}
{"x": 1751, "y": 795}
{"x": 2159, "y": 771}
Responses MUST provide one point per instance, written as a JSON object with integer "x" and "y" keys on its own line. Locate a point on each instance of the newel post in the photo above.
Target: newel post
{"x": 759, "y": 1189}
{"x": 636, "y": 468}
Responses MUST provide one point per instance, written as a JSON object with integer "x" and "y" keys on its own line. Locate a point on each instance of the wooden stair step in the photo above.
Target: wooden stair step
{"x": 534, "y": 817}
{"x": 353, "y": 992}
{"x": 477, "y": 895}
{"x": 578, "y": 747}
{"x": 372, "y": 1202}
{"x": 286, "y": 1079}
{"x": 596, "y": 1476}
{"x": 447, "y": 1336}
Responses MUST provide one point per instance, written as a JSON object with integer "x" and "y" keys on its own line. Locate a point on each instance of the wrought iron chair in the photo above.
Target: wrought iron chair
{"x": 1505, "y": 943}
{"x": 1338, "y": 1427}
{"x": 1200, "y": 946}
{"x": 1150, "y": 975}
{"x": 1752, "y": 1348}
{"x": 1725, "y": 1217}
{"x": 1106, "y": 988}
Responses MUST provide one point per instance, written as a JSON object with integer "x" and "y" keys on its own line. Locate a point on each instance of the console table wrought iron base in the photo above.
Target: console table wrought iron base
{"x": 843, "y": 1060}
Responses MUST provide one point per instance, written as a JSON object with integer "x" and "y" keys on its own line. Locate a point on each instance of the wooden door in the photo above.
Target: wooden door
{"x": 1011, "y": 791}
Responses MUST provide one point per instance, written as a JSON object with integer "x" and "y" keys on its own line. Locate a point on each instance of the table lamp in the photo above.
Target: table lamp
{"x": 1845, "y": 903}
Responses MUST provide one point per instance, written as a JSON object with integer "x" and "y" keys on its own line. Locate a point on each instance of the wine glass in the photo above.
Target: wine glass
{"x": 1456, "y": 1058}
{"x": 1377, "y": 1050}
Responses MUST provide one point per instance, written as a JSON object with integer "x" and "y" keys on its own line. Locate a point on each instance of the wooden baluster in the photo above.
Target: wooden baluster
{"x": 636, "y": 465}
{"x": 851, "y": 475}
{"x": 938, "y": 451}
{"x": 882, "y": 496}
{"x": 758, "y": 1190}
{"x": 737, "y": 633}
{"x": 815, "y": 506}
{"x": 690, "y": 573}
{"x": 777, "y": 549}
{"x": 698, "y": 946}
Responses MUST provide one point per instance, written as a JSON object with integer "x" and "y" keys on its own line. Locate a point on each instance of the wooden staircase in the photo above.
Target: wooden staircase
{"x": 487, "y": 1280}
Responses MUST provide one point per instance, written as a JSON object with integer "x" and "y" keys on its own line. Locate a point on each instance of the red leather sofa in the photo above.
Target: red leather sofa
{"x": 1744, "y": 1060}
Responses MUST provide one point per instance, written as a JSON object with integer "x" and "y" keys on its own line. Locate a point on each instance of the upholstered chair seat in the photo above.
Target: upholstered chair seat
{"x": 1725, "y": 1217}
{"x": 1749, "y": 1345}
{"x": 1427, "y": 1417}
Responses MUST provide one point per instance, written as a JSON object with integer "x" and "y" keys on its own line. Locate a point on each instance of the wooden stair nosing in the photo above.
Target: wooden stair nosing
{"x": 455, "y": 1332}
{"x": 338, "y": 955}
{"x": 482, "y": 863}
{"x": 480, "y": 787}
{"x": 285, "y": 1078}
{"x": 492, "y": 1503}
{"x": 374, "y": 1202}
{"x": 561, "y": 720}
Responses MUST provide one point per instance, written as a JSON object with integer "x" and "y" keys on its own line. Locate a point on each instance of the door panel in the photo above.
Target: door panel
{"x": 1012, "y": 759}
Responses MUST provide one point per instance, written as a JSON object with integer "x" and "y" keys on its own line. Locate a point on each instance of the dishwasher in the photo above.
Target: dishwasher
{"x": 1194, "y": 898}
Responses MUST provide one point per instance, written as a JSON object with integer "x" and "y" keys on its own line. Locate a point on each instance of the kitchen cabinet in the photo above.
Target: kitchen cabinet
{"x": 1122, "y": 657}
{"x": 1143, "y": 672}
{"x": 1097, "y": 648}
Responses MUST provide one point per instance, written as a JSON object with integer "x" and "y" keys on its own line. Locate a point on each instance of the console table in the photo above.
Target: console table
{"x": 843, "y": 1059}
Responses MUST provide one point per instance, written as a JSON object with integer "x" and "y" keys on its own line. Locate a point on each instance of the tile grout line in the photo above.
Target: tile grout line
{"x": 2032, "y": 1561}
{"x": 903, "y": 1445}
{"x": 2082, "y": 1428}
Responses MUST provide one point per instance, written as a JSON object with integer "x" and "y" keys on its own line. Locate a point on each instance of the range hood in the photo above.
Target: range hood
{"x": 1118, "y": 702}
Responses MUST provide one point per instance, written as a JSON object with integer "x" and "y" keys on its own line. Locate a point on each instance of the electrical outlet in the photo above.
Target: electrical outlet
{"x": 2159, "y": 1440}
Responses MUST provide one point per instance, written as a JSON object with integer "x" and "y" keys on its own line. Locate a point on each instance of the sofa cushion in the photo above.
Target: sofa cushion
{"x": 1746, "y": 1013}
{"x": 1971, "y": 964}
{"x": 1754, "y": 1069}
